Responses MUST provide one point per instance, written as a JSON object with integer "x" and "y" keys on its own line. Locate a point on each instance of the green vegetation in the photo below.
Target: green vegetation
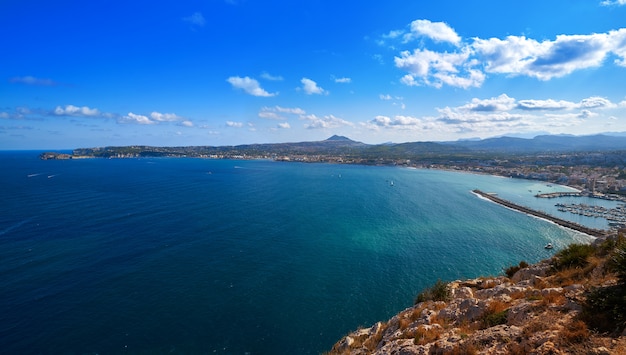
{"x": 511, "y": 270}
{"x": 574, "y": 256}
{"x": 438, "y": 292}
{"x": 605, "y": 308}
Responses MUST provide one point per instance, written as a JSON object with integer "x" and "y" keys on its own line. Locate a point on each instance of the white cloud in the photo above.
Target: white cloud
{"x": 386, "y": 97}
{"x": 468, "y": 65}
{"x": 134, "y": 118}
{"x": 437, "y": 31}
{"x": 31, "y": 80}
{"x": 234, "y": 124}
{"x": 186, "y": 123}
{"x": 165, "y": 117}
{"x": 596, "y": 102}
{"x": 500, "y": 103}
{"x": 71, "y": 110}
{"x": 343, "y": 80}
{"x": 435, "y": 69}
{"x": 543, "y": 60}
{"x": 272, "y": 113}
{"x": 294, "y": 110}
{"x": 613, "y": 2}
{"x": 195, "y": 19}
{"x": 397, "y": 121}
{"x": 548, "y": 104}
{"x": 250, "y": 86}
{"x": 268, "y": 76}
{"x": 310, "y": 87}
{"x": 284, "y": 125}
{"x": 328, "y": 121}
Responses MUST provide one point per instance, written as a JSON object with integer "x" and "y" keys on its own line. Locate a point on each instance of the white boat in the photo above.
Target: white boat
{"x": 548, "y": 246}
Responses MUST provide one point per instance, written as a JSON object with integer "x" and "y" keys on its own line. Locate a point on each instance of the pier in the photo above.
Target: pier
{"x": 559, "y": 194}
{"x": 561, "y": 222}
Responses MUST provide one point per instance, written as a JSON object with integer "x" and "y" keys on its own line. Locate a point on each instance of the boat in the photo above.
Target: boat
{"x": 548, "y": 246}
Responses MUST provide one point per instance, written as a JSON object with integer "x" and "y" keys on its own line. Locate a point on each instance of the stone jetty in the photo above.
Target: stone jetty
{"x": 567, "y": 224}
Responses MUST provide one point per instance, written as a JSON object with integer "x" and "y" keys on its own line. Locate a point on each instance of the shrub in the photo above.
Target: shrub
{"x": 575, "y": 332}
{"x": 438, "y": 292}
{"x": 511, "y": 270}
{"x": 495, "y": 314}
{"x": 574, "y": 256}
{"x": 619, "y": 262}
{"x": 605, "y": 309}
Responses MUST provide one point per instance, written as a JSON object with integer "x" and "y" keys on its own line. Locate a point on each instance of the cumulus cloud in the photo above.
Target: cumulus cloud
{"x": 310, "y": 87}
{"x": 283, "y": 125}
{"x": 138, "y": 119}
{"x": 548, "y": 104}
{"x": 71, "y": 110}
{"x": 343, "y": 80}
{"x": 498, "y": 115}
{"x": 273, "y": 113}
{"x": 468, "y": 64}
{"x": 328, "y": 121}
{"x": 234, "y": 124}
{"x": 431, "y": 68}
{"x": 249, "y": 85}
{"x": 294, "y": 110}
{"x": 397, "y": 122}
{"x": 195, "y": 19}
{"x": 500, "y": 103}
{"x": 165, "y": 117}
{"x": 31, "y": 80}
{"x": 153, "y": 118}
{"x": 436, "y": 31}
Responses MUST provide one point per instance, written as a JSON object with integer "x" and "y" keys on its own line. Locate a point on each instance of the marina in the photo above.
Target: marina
{"x": 563, "y": 223}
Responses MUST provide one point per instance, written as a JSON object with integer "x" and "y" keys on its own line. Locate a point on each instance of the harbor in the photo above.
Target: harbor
{"x": 561, "y": 222}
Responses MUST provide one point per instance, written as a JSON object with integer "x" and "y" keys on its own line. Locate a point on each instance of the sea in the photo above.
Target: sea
{"x": 203, "y": 256}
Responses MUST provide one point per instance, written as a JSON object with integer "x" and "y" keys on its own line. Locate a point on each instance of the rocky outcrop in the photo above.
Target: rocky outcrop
{"x": 530, "y": 313}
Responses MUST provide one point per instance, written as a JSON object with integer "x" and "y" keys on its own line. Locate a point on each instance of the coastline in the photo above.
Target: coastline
{"x": 596, "y": 233}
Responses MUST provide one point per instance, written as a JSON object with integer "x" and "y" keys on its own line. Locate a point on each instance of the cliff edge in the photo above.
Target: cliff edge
{"x": 573, "y": 303}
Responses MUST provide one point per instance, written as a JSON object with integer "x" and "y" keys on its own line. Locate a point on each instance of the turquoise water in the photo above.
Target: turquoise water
{"x": 238, "y": 257}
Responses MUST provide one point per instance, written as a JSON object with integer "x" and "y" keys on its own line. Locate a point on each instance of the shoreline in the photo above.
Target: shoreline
{"x": 561, "y": 222}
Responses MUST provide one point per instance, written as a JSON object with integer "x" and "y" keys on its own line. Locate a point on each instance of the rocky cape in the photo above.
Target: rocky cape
{"x": 537, "y": 310}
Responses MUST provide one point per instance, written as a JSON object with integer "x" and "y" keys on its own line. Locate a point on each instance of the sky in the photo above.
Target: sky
{"x": 227, "y": 72}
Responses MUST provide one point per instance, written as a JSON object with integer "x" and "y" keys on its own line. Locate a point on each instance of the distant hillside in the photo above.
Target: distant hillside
{"x": 343, "y": 146}
{"x": 548, "y": 143}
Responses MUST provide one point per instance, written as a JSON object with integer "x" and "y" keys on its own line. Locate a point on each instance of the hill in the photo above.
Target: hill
{"x": 570, "y": 304}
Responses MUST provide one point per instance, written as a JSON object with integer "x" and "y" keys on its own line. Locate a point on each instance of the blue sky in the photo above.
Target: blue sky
{"x": 225, "y": 72}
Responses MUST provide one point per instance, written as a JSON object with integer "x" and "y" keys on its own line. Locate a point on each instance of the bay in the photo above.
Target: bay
{"x": 240, "y": 257}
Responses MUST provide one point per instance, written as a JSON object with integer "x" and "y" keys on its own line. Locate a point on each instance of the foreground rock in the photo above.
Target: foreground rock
{"x": 529, "y": 313}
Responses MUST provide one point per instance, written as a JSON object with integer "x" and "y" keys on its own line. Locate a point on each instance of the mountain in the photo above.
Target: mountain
{"x": 343, "y": 146}
{"x": 546, "y": 143}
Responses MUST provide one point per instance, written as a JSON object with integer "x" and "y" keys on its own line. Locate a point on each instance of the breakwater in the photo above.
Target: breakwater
{"x": 559, "y": 221}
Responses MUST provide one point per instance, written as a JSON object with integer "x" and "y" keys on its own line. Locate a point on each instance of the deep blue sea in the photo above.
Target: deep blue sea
{"x": 198, "y": 256}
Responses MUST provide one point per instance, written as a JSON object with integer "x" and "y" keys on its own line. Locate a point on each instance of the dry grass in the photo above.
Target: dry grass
{"x": 553, "y": 299}
{"x": 423, "y": 335}
{"x": 575, "y": 332}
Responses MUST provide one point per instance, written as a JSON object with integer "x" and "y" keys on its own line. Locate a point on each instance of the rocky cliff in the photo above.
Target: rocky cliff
{"x": 573, "y": 303}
